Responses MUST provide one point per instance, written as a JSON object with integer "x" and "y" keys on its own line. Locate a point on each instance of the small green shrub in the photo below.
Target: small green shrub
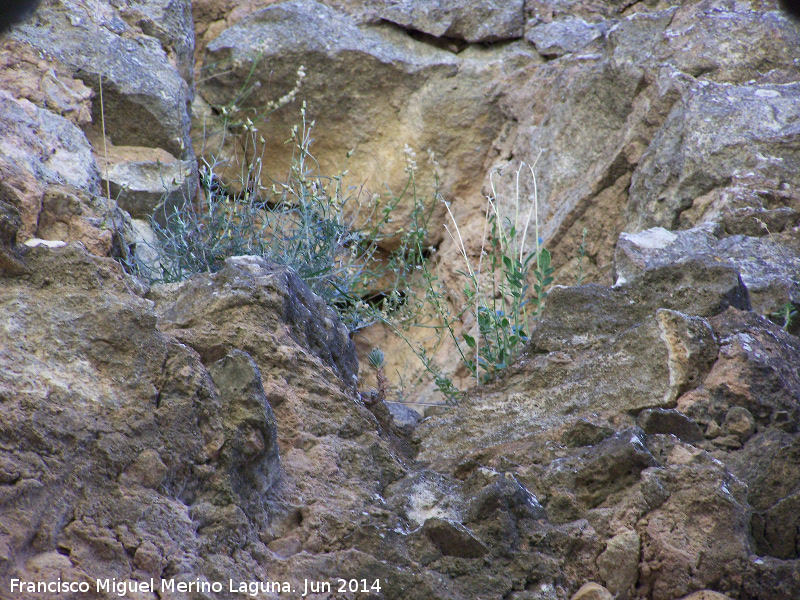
{"x": 496, "y": 298}
{"x": 786, "y": 316}
{"x": 331, "y": 235}
{"x": 496, "y": 290}
{"x": 306, "y": 221}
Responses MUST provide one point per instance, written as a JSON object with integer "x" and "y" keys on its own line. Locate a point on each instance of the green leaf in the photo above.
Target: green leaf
{"x": 470, "y": 340}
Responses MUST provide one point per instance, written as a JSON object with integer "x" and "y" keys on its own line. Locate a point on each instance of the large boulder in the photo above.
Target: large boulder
{"x": 768, "y": 263}
{"x": 637, "y": 414}
{"x": 372, "y": 91}
{"x": 128, "y": 454}
{"x": 143, "y": 56}
{"x": 716, "y": 132}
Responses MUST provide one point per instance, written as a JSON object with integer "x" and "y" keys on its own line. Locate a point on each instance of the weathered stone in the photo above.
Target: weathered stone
{"x": 147, "y": 470}
{"x": 170, "y": 22}
{"x": 563, "y": 37}
{"x": 776, "y": 529}
{"x": 241, "y": 315}
{"x": 677, "y": 554}
{"x": 766, "y": 264}
{"x": 507, "y": 495}
{"x": 692, "y": 350}
{"x": 619, "y": 563}
{"x": 453, "y": 539}
{"x": 142, "y": 247}
{"x": 653, "y": 490}
{"x": 427, "y": 495}
{"x": 28, "y": 134}
{"x": 585, "y": 433}
{"x": 592, "y": 591}
{"x": 104, "y": 412}
{"x": 142, "y": 180}
{"x": 42, "y": 80}
{"x": 145, "y": 99}
{"x": 251, "y": 437}
{"x": 753, "y": 370}
{"x": 611, "y": 465}
{"x": 403, "y": 415}
{"x": 709, "y": 135}
{"x": 739, "y": 422}
{"x": 468, "y": 20}
{"x": 713, "y": 430}
{"x": 69, "y": 214}
{"x": 659, "y": 420}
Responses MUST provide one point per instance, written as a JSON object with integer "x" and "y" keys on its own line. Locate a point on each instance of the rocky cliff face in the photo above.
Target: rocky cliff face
{"x": 646, "y": 444}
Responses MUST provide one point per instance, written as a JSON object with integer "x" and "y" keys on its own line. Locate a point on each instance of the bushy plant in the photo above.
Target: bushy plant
{"x": 329, "y": 233}
{"x": 496, "y": 293}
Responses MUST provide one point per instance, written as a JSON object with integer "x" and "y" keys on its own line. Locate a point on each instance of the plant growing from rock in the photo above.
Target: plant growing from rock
{"x": 786, "y": 316}
{"x": 331, "y": 235}
{"x": 312, "y": 223}
{"x": 496, "y": 290}
{"x": 377, "y": 363}
{"x": 495, "y": 297}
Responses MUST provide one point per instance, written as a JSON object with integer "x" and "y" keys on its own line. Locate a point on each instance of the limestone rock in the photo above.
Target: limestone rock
{"x": 143, "y": 180}
{"x": 677, "y": 171}
{"x": 739, "y": 422}
{"x": 564, "y": 36}
{"x": 675, "y": 270}
{"x": 453, "y": 539}
{"x": 170, "y": 22}
{"x": 226, "y": 405}
{"x": 251, "y": 436}
{"x": 130, "y": 418}
{"x": 241, "y": 315}
{"x": 611, "y": 465}
{"x": 585, "y": 433}
{"x": 767, "y": 263}
{"x": 692, "y": 350}
{"x": 40, "y": 148}
{"x": 403, "y": 415}
{"x": 659, "y": 420}
{"x": 619, "y": 563}
{"x": 45, "y": 82}
{"x": 468, "y": 20}
{"x": 508, "y": 496}
{"x": 664, "y": 572}
{"x": 640, "y": 480}
{"x": 592, "y": 591}
{"x": 69, "y": 214}
{"x": 145, "y": 98}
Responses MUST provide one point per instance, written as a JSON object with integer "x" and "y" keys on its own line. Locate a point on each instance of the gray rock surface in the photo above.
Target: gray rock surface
{"x": 768, "y": 263}
{"x": 145, "y": 98}
{"x": 563, "y": 37}
{"x": 716, "y": 132}
{"x": 208, "y": 323}
{"x": 148, "y": 183}
{"x": 211, "y": 430}
{"x": 468, "y": 20}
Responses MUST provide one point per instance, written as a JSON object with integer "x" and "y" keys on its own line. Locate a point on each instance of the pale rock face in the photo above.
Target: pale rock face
{"x": 656, "y": 114}
{"x": 647, "y": 439}
{"x": 146, "y": 94}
